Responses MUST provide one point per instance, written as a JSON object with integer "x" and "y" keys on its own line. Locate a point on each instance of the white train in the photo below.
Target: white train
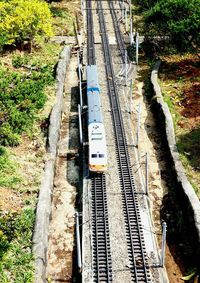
{"x": 96, "y": 131}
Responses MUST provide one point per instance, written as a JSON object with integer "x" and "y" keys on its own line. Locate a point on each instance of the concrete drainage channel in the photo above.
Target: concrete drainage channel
{"x": 53, "y": 241}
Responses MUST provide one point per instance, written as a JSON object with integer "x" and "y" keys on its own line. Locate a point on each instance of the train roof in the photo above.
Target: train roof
{"x": 92, "y": 78}
{"x": 93, "y": 96}
{"x": 94, "y": 107}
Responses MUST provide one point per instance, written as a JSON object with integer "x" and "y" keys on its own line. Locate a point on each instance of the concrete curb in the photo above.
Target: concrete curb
{"x": 43, "y": 211}
{"x": 191, "y": 203}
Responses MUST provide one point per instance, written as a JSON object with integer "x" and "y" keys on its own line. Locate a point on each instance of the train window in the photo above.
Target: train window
{"x": 96, "y": 139}
{"x": 94, "y": 155}
{"x": 101, "y": 155}
{"x": 96, "y": 136}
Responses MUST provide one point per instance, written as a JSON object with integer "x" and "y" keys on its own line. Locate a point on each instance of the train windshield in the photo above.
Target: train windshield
{"x": 98, "y": 155}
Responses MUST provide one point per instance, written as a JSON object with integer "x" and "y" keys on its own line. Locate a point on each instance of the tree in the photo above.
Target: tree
{"x": 146, "y": 4}
{"x": 22, "y": 20}
{"x": 179, "y": 19}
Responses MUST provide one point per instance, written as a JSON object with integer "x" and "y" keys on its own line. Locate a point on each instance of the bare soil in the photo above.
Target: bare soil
{"x": 186, "y": 73}
{"x": 10, "y": 200}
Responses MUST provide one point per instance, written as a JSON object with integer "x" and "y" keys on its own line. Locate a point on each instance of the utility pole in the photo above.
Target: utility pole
{"x": 138, "y": 125}
{"x": 131, "y": 24}
{"x": 147, "y": 174}
{"x": 137, "y": 47}
{"x": 126, "y": 24}
{"x": 126, "y": 67}
{"x": 80, "y": 125}
{"x": 164, "y": 232}
{"x": 78, "y": 242}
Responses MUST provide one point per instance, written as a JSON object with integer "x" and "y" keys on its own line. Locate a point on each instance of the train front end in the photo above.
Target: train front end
{"x": 97, "y": 148}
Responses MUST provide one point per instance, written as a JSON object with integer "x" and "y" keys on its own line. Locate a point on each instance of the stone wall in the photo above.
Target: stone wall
{"x": 188, "y": 199}
{"x": 43, "y": 211}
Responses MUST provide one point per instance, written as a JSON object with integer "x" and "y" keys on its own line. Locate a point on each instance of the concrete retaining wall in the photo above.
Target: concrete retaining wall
{"x": 189, "y": 200}
{"x": 43, "y": 212}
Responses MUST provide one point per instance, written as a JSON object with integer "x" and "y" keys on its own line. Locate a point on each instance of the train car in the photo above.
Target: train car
{"x": 96, "y": 131}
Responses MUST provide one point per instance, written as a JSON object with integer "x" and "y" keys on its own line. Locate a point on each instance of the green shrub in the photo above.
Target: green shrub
{"x": 18, "y": 61}
{"x": 8, "y": 170}
{"x": 2, "y": 151}
{"x": 22, "y": 20}
{"x": 22, "y": 95}
{"x": 178, "y": 19}
{"x": 7, "y": 137}
{"x": 15, "y": 246}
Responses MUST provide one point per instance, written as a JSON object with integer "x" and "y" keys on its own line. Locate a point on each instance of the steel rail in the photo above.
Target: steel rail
{"x": 102, "y": 268}
{"x": 135, "y": 239}
{"x": 101, "y": 255}
{"x": 118, "y": 34}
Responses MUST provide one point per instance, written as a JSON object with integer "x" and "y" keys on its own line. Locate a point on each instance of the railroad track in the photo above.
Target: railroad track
{"x": 135, "y": 240}
{"x": 118, "y": 34}
{"x": 100, "y": 239}
{"x": 101, "y": 256}
{"x": 90, "y": 35}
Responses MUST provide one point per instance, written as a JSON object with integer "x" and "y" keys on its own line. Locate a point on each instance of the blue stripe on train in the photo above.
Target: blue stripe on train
{"x": 93, "y": 89}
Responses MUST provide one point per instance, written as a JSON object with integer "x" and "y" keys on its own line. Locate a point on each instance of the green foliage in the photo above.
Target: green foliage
{"x": 146, "y": 4}
{"x": 18, "y": 61}
{"x": 8, "y": 170}
{"x": 56, "y": 12}
{"x": 22, "y": 20}
{"x": 15, "y": 246}
{"x": 172, "y": 106}
{"x": 22, "y": 95}
{"x": 178, "y": 19}
{"x": 188, "y": 144}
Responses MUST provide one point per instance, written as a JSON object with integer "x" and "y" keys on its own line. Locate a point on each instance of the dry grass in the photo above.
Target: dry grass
{"x": 64, "y": 14}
